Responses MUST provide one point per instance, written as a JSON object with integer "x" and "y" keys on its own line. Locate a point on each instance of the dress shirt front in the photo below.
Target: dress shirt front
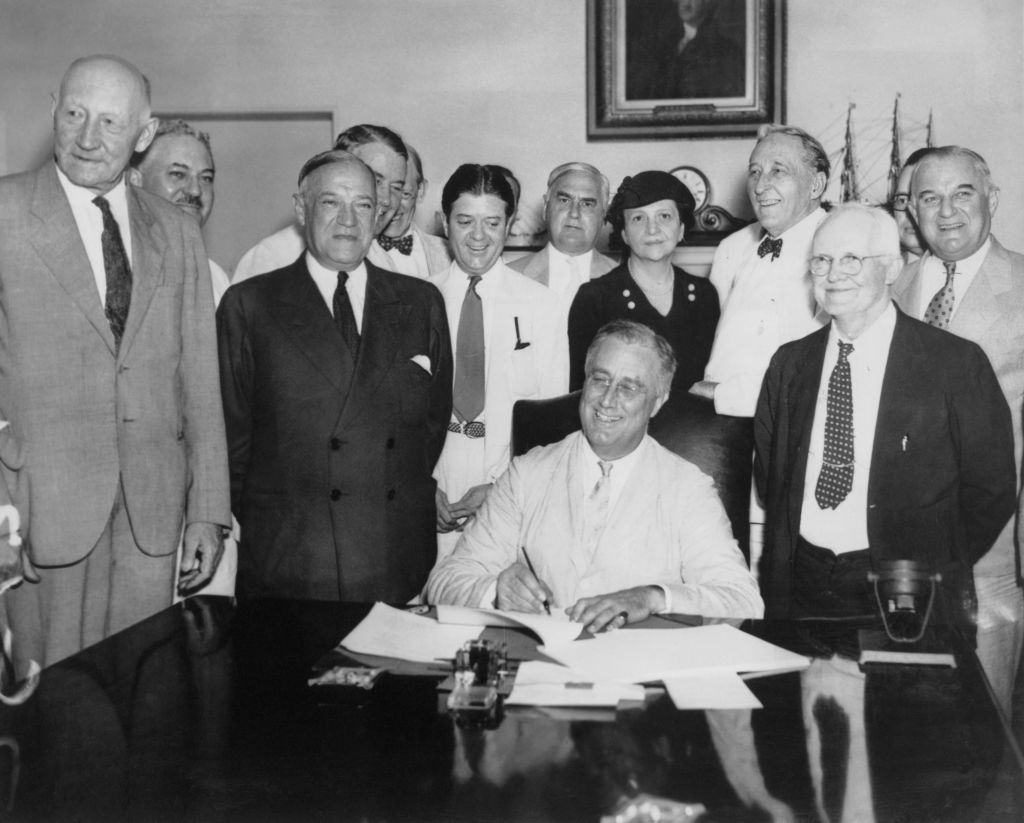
{"x": 89, "y": 220}
{"x": 845, "y": 528}
{"x": 765, "y": 303}
{"x": 566, "y": 273}
{"x": 327, "y": 282}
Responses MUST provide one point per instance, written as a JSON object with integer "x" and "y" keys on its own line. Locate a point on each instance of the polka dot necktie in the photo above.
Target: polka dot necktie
{"x": 836, "y": 478}
{"x": 940, "y": 309}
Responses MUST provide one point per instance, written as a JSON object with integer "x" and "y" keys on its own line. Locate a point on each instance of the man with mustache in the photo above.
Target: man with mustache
{"x": 178, "y": 166}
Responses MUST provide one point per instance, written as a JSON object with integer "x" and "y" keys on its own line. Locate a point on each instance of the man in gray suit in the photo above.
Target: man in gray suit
{"x": 970, "y": 285}
{"x": 114, "y": 435}
{"x": 574, "y": 208}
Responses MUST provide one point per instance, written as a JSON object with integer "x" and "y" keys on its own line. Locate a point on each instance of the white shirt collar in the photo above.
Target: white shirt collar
{"x": 327, "y": 281}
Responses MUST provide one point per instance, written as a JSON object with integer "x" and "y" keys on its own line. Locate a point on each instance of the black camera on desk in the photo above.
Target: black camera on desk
{"x": 481, "y": 679}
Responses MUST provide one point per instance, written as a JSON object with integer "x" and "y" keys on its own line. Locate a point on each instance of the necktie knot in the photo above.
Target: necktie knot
{"x": 474, "y": 281}
{"x": 950, "y": 267}
{"x": 345, "y": 316}
{"x": 844, "y": 351}
{"x": 770, "y": 245}
{"x": 402, "y": 244}
{"x": 605, "y": 467}
{"x": 342, "y": 279}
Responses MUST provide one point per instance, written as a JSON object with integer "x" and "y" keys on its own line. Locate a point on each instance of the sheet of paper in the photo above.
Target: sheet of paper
{"x": 553, "y": 630}
{"x": 547, "y": 684}
{"x": 643, "y": 655}
{"x": 711, "y": 691}
{"x": 391, "y": 632}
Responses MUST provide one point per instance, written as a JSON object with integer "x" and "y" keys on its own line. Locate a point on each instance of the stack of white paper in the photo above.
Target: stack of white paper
{"x": 390, "y": 632}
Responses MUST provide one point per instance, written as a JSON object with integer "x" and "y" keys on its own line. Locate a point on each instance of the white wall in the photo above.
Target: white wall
{"x": 504, "y": 81}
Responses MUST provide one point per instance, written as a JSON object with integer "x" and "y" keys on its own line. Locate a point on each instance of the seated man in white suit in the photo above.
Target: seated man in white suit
{"x": 507, "y": 339}
{"x": 574, "y": 208}
{"x": 385, "y": 153}
{"x": 408, "y": 249}
{"x": 616, "y": 526}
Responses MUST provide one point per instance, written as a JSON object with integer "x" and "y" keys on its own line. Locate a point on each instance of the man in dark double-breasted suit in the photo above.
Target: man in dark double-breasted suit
{"x": 923, "y": 470}
{"x": 336, "y": 377}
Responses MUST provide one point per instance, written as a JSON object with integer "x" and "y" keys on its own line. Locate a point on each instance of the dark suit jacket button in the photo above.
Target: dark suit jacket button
{"x": 391, "y": 494}
{"x": 335, "y": 444}
{"x": 391, "y": 443}
{"x": 335, "y": 494}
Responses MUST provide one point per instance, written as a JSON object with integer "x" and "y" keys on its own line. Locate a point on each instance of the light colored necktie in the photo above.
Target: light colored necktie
{"x": 940, "y": 309}
{"x": 836, "y": 478}
{"x": 468, "y": 390}
{"x": 595, "y": 508}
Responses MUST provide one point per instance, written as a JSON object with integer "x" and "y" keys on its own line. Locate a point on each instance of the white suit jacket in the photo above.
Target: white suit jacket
{"x": 668, "y": 527}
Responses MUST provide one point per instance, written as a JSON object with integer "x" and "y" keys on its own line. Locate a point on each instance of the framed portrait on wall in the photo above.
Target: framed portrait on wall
{"x": 672, "y": 68}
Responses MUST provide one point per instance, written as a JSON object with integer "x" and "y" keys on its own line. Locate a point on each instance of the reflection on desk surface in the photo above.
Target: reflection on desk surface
{"x": 202, "y": 712}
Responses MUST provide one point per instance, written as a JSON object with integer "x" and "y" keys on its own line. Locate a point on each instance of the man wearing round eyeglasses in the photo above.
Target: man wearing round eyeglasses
{"x": 910, "y": 238}
{"x": 877, "y": 438}
{"x": 606, "y": 524}
{"x": 408, "y": 249}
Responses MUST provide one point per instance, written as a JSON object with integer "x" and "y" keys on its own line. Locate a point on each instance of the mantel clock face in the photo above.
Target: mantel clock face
{"x": 697, "y": 182}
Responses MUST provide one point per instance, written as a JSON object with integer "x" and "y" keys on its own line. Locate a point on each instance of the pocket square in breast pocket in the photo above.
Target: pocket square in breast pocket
{"x": 423, "y": 362}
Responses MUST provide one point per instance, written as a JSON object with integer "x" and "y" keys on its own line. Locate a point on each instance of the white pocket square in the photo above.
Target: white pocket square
{"x": 423, "y": 362}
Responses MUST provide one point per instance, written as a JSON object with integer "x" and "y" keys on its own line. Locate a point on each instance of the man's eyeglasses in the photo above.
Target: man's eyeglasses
{"x": 848, "y": 264}
{"x": 900, "y": 202}
{"x": 625, "y": 391}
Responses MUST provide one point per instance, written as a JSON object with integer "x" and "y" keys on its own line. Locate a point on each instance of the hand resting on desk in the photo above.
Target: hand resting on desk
{"x": 606, "y": 611}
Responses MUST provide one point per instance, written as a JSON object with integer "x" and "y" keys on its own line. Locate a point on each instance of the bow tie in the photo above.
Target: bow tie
{"x": 769, "y": 246}
{"x": 403, "y": 244}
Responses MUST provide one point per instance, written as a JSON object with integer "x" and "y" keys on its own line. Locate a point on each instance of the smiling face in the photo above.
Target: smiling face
{"x": 574, "y": 210}
{"x": 652, "y": 232}
{"x": 782, "y": 186}
{"x": 953, "y": 203}
{"x": 412, "y": 195}
{"x": 854, "y": 301}
{"x": 622, "y": 392}
{"x": 336, "y": 207}
{"x": 477, "y": 228}
{"x": 179, "y": 168}
{"x": 99, "y": 118}
{"x": 388, "y": 168}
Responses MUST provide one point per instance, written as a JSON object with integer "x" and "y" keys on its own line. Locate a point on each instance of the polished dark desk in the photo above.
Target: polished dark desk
{"x": 203, "y": 713}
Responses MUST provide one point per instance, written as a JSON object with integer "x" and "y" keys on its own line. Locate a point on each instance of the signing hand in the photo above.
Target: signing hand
{"x": 616, "y": 609}
{"x": 520, "y": 591}
{"x": 200, "y": 555}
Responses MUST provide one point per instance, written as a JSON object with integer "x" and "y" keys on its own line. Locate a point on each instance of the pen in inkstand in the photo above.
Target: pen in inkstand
{"x": 533, "y": 571}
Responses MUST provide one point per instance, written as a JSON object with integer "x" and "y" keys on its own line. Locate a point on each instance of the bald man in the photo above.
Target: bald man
{"x": 114, "y": 435}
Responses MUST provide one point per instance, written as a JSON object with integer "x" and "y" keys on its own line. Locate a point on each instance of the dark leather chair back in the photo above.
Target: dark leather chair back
{"x": 720, "y": 446}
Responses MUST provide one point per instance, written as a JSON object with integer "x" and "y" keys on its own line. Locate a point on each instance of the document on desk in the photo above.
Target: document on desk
{"x": 548, "y": 684}
{"x": 390, "y": 632}
{"x": 553, "y": 629}
{"x": 645, "y": 655}
{"x": 711, "y": 691}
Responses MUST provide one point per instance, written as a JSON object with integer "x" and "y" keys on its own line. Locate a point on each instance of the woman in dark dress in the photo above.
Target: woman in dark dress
{"x": 650, "y": 212}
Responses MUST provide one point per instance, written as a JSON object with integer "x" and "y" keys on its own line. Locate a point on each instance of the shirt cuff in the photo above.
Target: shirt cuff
{"x": 668, "y": 599}
{"x": 490, "y": 598}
